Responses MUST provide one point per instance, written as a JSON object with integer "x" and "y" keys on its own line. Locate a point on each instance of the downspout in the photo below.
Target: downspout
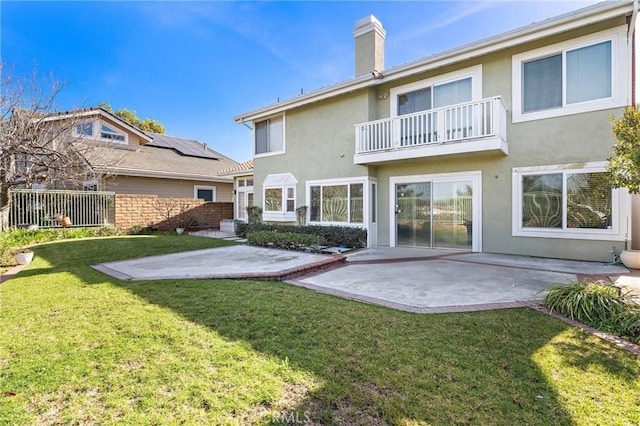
{"x": 631, "y": 40}
{"x": 631, "y": 36}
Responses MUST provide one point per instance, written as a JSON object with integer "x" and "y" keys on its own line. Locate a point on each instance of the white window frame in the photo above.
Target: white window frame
{"x": 364, "y": 180}
{"x": 205, "y": 187}
{"x": 82, "y": 135}
{"x": 96, "y": 129}
{"x": 284, "y": 138}
{"x": 475, "y": 73}
{"x": 620, "y": 76}
{"x": 283, "y": 181}
{"x": 242, "y": 198}
{"x": 619, "y": 206}
{"x": 115, "y": 131}
{"x": 474, "y": 176}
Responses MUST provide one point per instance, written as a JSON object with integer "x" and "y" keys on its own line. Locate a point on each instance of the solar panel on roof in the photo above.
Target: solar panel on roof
{"x": 182, "y": 146}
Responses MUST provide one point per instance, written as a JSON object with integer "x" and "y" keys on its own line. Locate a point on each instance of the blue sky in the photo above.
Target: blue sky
{"x": 194, "y": 65}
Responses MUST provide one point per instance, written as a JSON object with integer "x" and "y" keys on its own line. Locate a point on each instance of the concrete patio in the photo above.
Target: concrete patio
{"x": 417, "y": 280}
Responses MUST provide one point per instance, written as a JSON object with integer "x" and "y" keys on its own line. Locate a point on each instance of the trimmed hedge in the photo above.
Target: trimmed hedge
{"x": 284, "y": 240}
{"x": 332, "y": 235}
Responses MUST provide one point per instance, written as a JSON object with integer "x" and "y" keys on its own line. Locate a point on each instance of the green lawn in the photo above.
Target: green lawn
{"x": 78, "y": 347}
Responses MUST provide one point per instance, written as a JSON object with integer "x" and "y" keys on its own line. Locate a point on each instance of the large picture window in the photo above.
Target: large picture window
{"x": 269, "y": 136}
{"x": 555, "y": 202}
{"x": 343, "y": 203}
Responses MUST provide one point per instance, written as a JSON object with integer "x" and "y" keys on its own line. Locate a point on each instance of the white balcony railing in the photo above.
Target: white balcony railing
{"x": 458, "y": 123}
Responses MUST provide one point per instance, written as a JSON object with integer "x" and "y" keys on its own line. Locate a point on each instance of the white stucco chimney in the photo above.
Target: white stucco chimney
{"x": 369, "y": 41}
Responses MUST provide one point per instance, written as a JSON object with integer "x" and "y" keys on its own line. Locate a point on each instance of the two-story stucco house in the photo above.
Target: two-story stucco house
{"x": 496, "y": 146}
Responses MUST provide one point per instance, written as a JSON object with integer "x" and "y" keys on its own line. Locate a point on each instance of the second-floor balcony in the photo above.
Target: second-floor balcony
{"x": 463, "y": 128}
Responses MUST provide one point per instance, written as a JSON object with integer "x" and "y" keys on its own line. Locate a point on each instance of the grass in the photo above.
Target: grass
{"x": 24, "y": 238}
{"x": 78, "y": 347}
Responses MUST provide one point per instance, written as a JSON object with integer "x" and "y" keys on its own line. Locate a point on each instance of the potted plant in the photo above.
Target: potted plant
{"x": 624, "y": 166}
{"x": 23, "y": 256}
{"x": 185, "y": 220}
{"x": 64, "y": 221}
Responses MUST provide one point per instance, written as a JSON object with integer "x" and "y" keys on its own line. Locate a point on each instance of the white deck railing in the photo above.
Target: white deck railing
{"x": 457, "y": 123}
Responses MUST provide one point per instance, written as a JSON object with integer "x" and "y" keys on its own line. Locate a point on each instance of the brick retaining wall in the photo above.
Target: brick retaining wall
{"x": 143, "y": 210}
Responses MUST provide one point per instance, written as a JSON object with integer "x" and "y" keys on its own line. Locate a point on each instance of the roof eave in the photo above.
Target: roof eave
{"x": 599, "y": 12}
{"x": 103, "y": 113}
{"x": 244, "y": 172}
{"x": 164, "y": 175}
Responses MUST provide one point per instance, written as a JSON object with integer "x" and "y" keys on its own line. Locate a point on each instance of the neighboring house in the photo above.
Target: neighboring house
{"x": 242, "y": 188}
{"x": 497, "y": 146}
{"x": 140, "y": 162}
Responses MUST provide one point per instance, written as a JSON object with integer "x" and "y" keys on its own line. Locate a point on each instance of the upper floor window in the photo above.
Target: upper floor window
{"x": 269, "y": 136}
{"x": 586, "y": 71}
{"x": 441, "y": 95}
{"x": 110, "y": 133}
{"x": 448, "y": 89}
{"x": 580, "y": 75}
{"x": 85, "y": 129}
{"x": 98, "y": 130}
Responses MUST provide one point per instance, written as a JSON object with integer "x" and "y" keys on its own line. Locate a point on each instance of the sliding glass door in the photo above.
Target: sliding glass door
{"x": 413, "y": 207}
{"x": 434, "y": 214}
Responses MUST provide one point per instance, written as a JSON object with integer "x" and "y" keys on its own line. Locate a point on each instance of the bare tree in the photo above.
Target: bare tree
{"x": 36, "y": 143}
{"x": 175, "y": 212}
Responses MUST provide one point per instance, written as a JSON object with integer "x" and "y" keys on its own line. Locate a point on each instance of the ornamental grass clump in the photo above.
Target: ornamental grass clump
{"x": 602, "y": 306}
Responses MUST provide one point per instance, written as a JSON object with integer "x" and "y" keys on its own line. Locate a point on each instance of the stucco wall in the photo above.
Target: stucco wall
{"x": 319, "y": 144}
{"x": 317, "y": 137}
{"x": 166, "y": 187}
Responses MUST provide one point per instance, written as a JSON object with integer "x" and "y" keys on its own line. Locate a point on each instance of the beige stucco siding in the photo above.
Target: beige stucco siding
{"x": 577, "y": 138}
{"x": 319, "y": 144}
{"x": 543, "y": 145}
{"x": 166, "y": 188}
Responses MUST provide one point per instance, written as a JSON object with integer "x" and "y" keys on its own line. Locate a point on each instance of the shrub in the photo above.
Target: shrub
{"x": 345, "y": 236}
{"x": 254, "y": 214}
{"x": 587, "y": 302}
{"x": 598, "y": 305}
{"x": 284, "y": 240}
{"x": 628, "y": 325}
{"x": 106, "y": 231}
